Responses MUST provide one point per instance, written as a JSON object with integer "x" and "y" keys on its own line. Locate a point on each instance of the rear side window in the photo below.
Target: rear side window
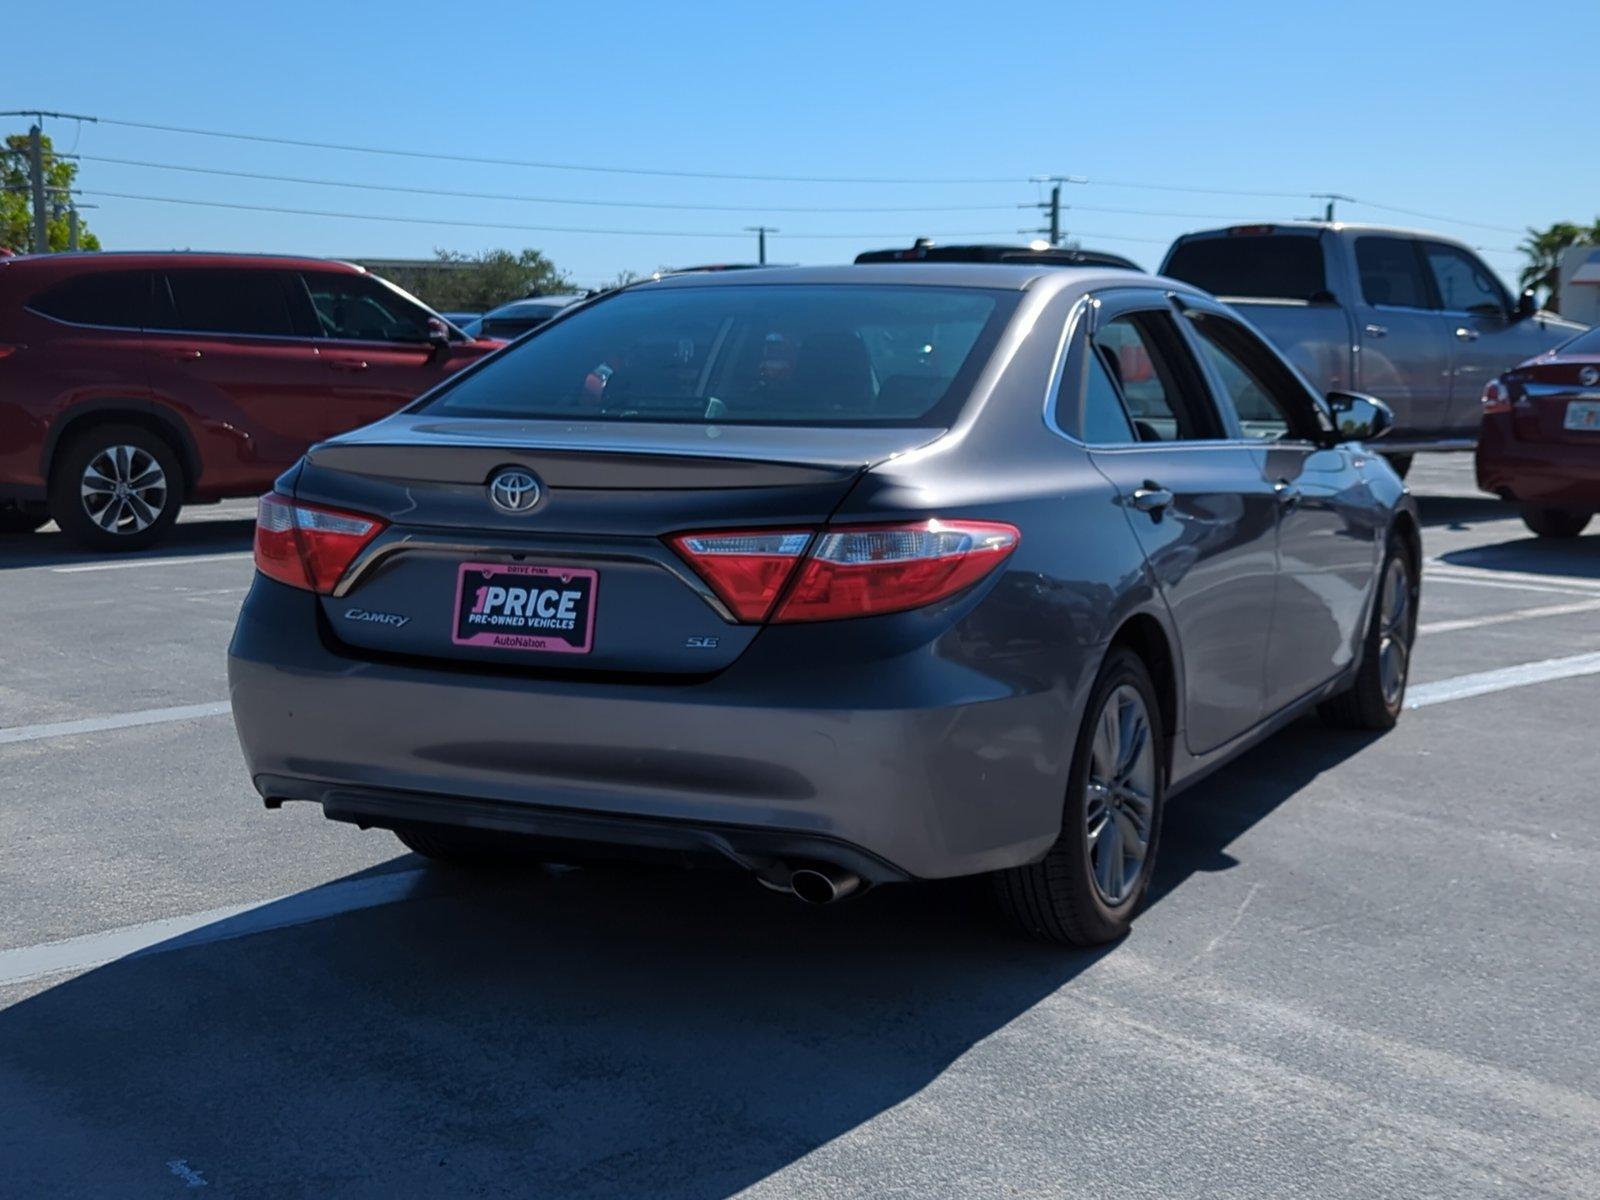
{"x": 115, "y": 298}
{"x": 1390, "y": 272}
{"x": 1268, "y": 266}
{"x": 782, "y": 354}
{"x": 359, "y": 308}
{"x": 223, "y": 301}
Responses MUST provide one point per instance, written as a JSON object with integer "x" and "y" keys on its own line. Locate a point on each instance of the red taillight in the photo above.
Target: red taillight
{"x": 306, "y": 545}
{"x": 746, "y": 569}
{"x": 7, "y": 349}
{"x": 1496, "y": 397}
{"x": 866, "y": 571}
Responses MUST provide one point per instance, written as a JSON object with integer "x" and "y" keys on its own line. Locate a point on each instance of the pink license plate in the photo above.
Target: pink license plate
{"x": 512, "y": 606}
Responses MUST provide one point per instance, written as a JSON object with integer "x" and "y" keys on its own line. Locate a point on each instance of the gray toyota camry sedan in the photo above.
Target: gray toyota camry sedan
{"x": 846, "y": 576}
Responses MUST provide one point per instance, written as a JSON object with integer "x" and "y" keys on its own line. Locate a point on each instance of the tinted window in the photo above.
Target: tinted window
{"x": 1390, "y": 272}
{"x": 1464, "y": 284}
{"x": 761, "y": 354}
{"x": 1143, "y": 355}
{"x": 1268, "y": 401}
{"x": 105, "y": 298}
{"x": 360, "y": 308}
{"x": 205, "y": 301}
{"x": 1284, "y": 266}
{"x": 1105, "y": 423}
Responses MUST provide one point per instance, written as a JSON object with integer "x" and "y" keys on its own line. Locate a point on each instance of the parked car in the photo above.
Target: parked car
{"x": 1414, "y": 318}
{"x": 1540, "y": 446}
{"x": 131, "y": 384}
{"x": 514, "y": 319}
{"x": 976, "y": 597}
{"x": 460, "y": 319}
{"x": 924, "y": 250}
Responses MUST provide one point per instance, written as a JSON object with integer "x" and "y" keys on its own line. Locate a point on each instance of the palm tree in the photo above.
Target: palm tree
{"x": 1544, "y": 249}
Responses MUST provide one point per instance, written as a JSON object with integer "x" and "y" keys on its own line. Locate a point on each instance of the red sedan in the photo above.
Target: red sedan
{"x": 1540, "y": 445}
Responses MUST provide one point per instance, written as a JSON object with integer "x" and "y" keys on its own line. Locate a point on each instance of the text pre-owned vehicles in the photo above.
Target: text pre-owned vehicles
{"x": 131, "y": 384}
{"x": 1540, "y": 445}
{"x": 849, "y": 575}
{"x": 1414, "y": 318}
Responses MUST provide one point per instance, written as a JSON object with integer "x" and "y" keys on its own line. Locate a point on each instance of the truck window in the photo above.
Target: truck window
{"x": 1463, "y": 282}
{"x": 1268, "y": 266}
{"x": 1391, "y": 273}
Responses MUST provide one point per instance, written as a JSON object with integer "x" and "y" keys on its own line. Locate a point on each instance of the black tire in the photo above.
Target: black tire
{"x": 146, "y": 514}
{"x": 16, "y": 518}
{"x": 1555, "y": 522}
{"x": 1401, "y": 463}
{"x": 1374, "y": 700}
{"x": 473, "y": 848}
{"x": 1057, "y": 899}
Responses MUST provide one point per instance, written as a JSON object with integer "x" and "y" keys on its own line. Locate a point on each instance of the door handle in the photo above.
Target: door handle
{"x": 1152, "y": 498}
{"x": 1376, "y": 331}
{"x": 186, "y": 355}
{"x": 1288, "y": 495}
{"x": 1465, "y": 334}
{"x": 348, "y": 364}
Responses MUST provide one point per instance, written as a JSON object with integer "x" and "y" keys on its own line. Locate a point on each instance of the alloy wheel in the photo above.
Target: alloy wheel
{"x": 1394, "y": 631}
{"x": 123, "y": 489}
{"x": 1121, "y": 795}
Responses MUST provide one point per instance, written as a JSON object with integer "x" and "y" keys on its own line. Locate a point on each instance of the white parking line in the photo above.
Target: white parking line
{"x": 1439, "y": 568}
{"x": 214, "y": 925}
{"x": 1431, "y": 578}
{"x": 148, "y": 716}
{"x": 1462, "y": 687}
{"x": 173, "y": 561}
{"x": 1516, "y": 614}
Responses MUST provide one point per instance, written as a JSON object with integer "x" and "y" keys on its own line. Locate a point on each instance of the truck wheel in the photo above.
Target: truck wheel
{"x": 1374, "y": 700}
{"x": 1555, "y": 522}
{"x": 116, "y": 487}
{"x": 1085, "y": 891}
{"x": 16, "y": 518}
{"x": 1401, "y": 464}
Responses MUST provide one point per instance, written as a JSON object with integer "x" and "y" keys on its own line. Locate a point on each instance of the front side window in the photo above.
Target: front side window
{"x": 1390, "y": 272}
{"x": 112, "y": 298}
{"x": 359, "y": 308}
{"x": 1269, "y": 403}
{"x": 809, "y": 354}
{"x": 1463, "y": 283}
{"x": 225, "y": 301}
{"x": 1143, "y": 355}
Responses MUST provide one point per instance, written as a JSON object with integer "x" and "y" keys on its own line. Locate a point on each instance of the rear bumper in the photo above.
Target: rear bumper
{"x": 1548, "y": 474}
{"x": 910, "y": 763}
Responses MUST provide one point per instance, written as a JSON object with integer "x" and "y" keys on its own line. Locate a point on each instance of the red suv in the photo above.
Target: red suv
{"x": 131, "y": 384}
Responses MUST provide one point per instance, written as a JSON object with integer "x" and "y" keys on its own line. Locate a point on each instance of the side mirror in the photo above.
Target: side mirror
{"x": 438, "y": 337}
{"x": 1358, "y": 417}
{"x": 1526, "y": 305}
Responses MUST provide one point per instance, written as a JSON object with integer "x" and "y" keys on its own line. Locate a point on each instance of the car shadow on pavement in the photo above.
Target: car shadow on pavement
{"x": 566, "y": 1033}
{"x": 214, "y": 535}
{"x": 1462, "y": 512}
{"x": 1577, "y": 558}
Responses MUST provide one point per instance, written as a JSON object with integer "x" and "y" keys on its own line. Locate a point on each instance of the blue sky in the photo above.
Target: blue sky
{"x": 1478, "y": 112}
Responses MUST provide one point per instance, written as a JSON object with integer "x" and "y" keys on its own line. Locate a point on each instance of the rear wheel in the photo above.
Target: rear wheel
{"x": 116, "y": 487}
{"x": 1085, "y": 891}
{"x": 1555, "y": 522}
{"x": 17, "y": 518}
{"x": 1374, "y": 700}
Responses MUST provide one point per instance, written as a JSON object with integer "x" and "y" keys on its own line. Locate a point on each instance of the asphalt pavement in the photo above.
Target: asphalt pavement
{"x": 1369, "y": 968}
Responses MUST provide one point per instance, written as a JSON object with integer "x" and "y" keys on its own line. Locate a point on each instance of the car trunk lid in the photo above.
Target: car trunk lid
{"x": 1560, "y": 400}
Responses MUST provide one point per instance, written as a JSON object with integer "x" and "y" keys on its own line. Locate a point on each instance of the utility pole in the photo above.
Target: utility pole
{"x": 72, "y": 228}
{"x": 41, "y": 219}
{"x": 761, "y": 232}
{"x": 1052, "y": 206}
{"x": 1331, "y": 197}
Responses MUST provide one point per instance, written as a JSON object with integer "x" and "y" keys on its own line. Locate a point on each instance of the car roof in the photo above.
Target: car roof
{"x": 532, "y": 303}
{"x": 1061, "y": 256}
{"x": 150, "y": 259}
{"x": 1003, "y": 276}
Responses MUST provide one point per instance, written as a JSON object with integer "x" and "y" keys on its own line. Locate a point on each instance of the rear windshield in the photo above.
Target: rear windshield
{"x": 1277, "y": 267}
{"x": 778, "y": 354}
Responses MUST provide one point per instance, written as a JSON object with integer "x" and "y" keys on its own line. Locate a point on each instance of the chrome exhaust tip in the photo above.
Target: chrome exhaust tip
{"x": 822, "y": 885}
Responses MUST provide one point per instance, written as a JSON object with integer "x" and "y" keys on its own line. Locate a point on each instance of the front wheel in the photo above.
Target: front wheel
{"x": 1374, "y": 700}
{"x": 1555, "y": 522}
{"x": 116, "y": 487}
{"x": 1085, "y": 891}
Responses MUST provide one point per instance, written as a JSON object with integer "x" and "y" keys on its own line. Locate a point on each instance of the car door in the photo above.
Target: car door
{"x": 1197, "y": 503}
{"x": 1329, "y": 535}
{"x": 1486, "y": 337}
{"x": 1403, "y": 347}
{"x": 375, "y": 347}
{"x": 222, "y": 341}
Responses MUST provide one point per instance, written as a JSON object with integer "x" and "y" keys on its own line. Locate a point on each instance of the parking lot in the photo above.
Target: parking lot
{"x": 1367, "y": 968}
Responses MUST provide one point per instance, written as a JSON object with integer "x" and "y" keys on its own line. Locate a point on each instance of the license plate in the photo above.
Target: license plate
{"x": 511, "y": 606}
{"x": 1583, "y": 414}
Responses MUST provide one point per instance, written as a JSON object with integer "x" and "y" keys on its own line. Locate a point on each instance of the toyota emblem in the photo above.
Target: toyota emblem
{"x": 1589, "y": 376}
{"x": 513, "y": 490}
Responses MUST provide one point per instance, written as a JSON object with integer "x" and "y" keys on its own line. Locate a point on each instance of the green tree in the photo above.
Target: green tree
{"x": 16, "y": 200}
{"x": 457, "y": 281}
{"x": 1544, "y": 248}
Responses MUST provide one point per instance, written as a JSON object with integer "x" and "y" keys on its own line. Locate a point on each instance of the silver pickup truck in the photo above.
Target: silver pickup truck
{"x": 1413, "y": 318}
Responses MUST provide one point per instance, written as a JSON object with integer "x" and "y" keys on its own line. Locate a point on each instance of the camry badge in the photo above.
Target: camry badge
{"x": 514, "y": 490}
{"x": 1589, "y": 376}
